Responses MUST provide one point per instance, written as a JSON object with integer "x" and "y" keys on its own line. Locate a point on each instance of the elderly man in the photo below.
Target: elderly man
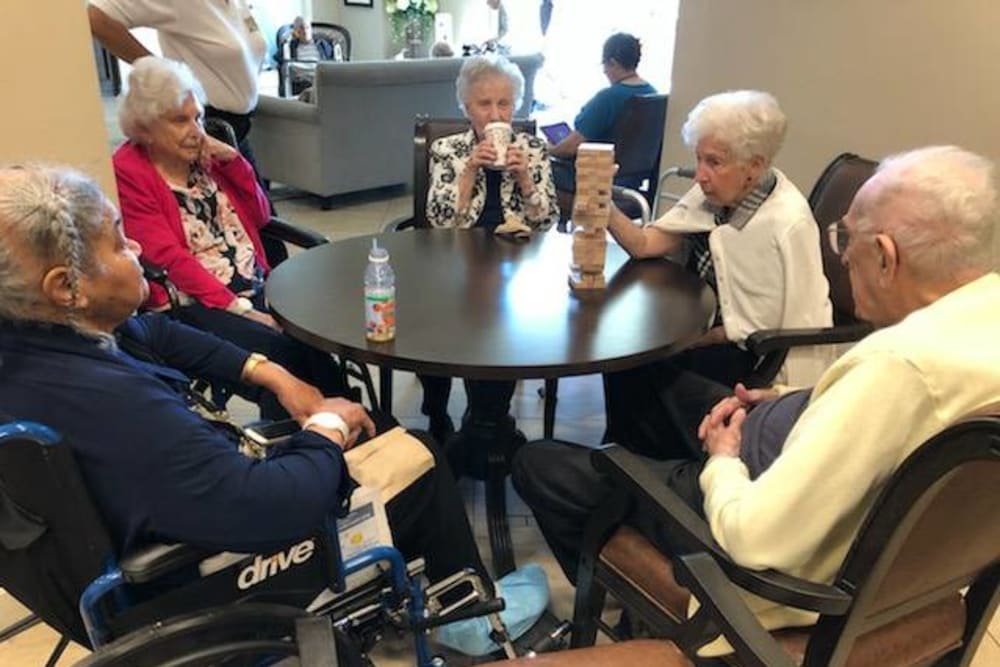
{"x": 918, "y": 244}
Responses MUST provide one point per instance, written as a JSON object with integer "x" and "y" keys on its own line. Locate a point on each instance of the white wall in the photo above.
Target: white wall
{"x": 52, "y": 110}
{"x": 868, "y": 76}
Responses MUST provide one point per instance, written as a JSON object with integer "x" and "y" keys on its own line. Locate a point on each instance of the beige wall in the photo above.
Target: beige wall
{"x": 52, "y": 110}
{"x": 868, "y": 76}
{"x": 369, "y": 27}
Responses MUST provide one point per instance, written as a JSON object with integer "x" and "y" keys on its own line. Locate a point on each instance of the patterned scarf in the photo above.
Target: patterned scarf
{"x": 699, "y": 253}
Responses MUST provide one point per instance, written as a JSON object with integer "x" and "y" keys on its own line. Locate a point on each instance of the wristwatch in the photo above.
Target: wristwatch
{"x": 330, "y": 420}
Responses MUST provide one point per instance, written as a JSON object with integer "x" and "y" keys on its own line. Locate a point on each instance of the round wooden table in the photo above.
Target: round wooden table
{"x": 473, "y": 305}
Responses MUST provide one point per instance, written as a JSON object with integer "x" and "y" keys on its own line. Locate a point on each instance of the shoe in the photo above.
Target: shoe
{"x": 526, "y": 593}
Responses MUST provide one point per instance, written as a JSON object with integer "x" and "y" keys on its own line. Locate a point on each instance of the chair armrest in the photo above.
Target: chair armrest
{"x": 767, "y": 341}
{"x": 291, "y": 111}
{"x": 155, "y": 273}
{"x": 689, "y": 533}
{"x": 399, "y": 224}
{"x": 157, "y": 560}
{"x": 285, "y": 231}
{"x": 754, "y": 646}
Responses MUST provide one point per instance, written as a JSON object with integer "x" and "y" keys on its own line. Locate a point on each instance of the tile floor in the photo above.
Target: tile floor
{"x": 580, "y": 418}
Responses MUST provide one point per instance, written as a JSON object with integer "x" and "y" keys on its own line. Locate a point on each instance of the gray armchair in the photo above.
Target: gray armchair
{"x": 359, "y": 133}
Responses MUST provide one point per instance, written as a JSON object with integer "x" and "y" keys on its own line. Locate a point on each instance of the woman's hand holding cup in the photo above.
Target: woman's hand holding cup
{"x": 498, "y": 133}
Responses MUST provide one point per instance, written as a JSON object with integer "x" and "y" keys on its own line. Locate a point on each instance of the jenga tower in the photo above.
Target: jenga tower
{"x": 595, "y": 170}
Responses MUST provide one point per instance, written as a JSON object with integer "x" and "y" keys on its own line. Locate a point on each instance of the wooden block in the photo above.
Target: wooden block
{"x": 587, "y": 281}
{"x": 589, "y": 250}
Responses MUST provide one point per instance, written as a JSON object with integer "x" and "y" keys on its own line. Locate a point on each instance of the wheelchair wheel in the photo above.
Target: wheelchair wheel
{"x": 237, "y": 635}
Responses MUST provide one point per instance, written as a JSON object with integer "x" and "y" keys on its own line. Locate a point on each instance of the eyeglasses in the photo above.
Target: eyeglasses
{"x": 837, "y": 237}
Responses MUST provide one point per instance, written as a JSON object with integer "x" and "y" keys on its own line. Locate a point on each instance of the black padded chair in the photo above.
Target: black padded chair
{"x": 333, "y": 42}
{"x": 638, "y": 140}
{"x": 919, "y": 586}
{"x": 829, "y": 201}
{"x": 425, "y": 132}
{"x": 57, "y": 559}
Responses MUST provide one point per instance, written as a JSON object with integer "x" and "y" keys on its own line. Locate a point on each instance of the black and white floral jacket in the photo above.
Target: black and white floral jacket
{"x": 448, "y": 158}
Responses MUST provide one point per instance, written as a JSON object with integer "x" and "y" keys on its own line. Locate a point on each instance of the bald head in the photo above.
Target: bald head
{"x": 940, "y": 206}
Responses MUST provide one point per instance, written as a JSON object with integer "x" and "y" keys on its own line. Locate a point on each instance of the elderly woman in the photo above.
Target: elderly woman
{"x": 467, "y": 190}
{"x": 749, "y": 233}
{"x": 196, "y": 208}
{"x": 70, "y": 281}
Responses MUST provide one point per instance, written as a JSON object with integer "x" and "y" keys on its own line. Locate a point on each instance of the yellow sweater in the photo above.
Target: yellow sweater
{"x": 868, "y": 412}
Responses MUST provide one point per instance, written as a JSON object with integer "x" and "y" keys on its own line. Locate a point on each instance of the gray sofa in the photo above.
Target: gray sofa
{"x": 359, "y": 133}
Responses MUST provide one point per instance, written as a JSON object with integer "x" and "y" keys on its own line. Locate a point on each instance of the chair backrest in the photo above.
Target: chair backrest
{"x": 332, "y": 41}
{"x": 425, "y": 132}
{"x": 829, "y": 200}
{"x": 639, "y": 139}
{"x": 336, "y": 36}
{"x": 932, "y": 532}
{"x": 54, "y": 542}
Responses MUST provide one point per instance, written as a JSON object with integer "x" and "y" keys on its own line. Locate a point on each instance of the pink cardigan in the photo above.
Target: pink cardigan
{"x": 153, "y": 218}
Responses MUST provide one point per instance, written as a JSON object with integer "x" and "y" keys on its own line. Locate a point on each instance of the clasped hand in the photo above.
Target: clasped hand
{"x": 721, "y": 431}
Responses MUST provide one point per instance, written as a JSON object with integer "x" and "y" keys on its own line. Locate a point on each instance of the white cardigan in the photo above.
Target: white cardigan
{"x": 769, "y": 272}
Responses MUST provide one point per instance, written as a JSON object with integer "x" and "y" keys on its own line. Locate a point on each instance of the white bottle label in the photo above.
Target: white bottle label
{"x": 380, "y": 313}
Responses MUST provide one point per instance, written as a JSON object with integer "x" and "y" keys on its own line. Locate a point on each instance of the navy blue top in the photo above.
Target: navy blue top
{"x": 596, "y": 120}
{"x": 156, "y": 470}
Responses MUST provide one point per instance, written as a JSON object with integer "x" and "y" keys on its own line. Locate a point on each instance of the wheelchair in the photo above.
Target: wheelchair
{"x": 180, "y": 604}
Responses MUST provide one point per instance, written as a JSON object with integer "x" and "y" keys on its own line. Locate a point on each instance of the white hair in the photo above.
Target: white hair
{"x": 155, "y": 86}
{"x": 48, "y": 215}
{"x": 748, "y": 122}
{"x": 940, "y": 205}
{"x": 476, "y": 68}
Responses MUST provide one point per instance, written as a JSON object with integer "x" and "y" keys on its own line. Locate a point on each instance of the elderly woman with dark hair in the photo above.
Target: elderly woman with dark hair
{"x": 196, "y": 208}
{"x": 467, "y": 191}
{"x": 70, "y": 282}
{"x": 749, "y": 233}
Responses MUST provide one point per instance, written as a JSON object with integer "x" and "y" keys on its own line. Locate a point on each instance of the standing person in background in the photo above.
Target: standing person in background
{"x": 218, "y": 39}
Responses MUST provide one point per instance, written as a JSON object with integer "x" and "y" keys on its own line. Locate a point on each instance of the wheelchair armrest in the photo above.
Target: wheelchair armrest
{"x": 689, "y": 533}
{"x": 701, "y": 574}
{"x": 767, "y": 341}
{"x": 282, "y": 230}
{"x": 153, "y": 561}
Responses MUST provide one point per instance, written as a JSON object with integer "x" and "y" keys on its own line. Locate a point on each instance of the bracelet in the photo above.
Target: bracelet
{"x": 329, "y": 420}
{"x": 253, "y": 361}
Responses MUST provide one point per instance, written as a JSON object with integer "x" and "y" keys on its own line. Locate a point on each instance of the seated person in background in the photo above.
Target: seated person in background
{"x": 305, "y": 52}
{"x": 194, "y": 205}
{"x": 69, "y": 283}
{"x": 596, "y": 120}
{"x": 467, "y": 191}
{"x": 786, "y": 481}
{"x": 748, "y": 232}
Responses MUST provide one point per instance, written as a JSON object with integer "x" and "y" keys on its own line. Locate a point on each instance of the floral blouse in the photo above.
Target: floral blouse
{"x": 215, "y": 235}
{"x": 447, "y": 161}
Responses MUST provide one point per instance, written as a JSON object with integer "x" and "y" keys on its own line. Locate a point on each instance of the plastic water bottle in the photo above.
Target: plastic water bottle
{"x": 380, "y": 296}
